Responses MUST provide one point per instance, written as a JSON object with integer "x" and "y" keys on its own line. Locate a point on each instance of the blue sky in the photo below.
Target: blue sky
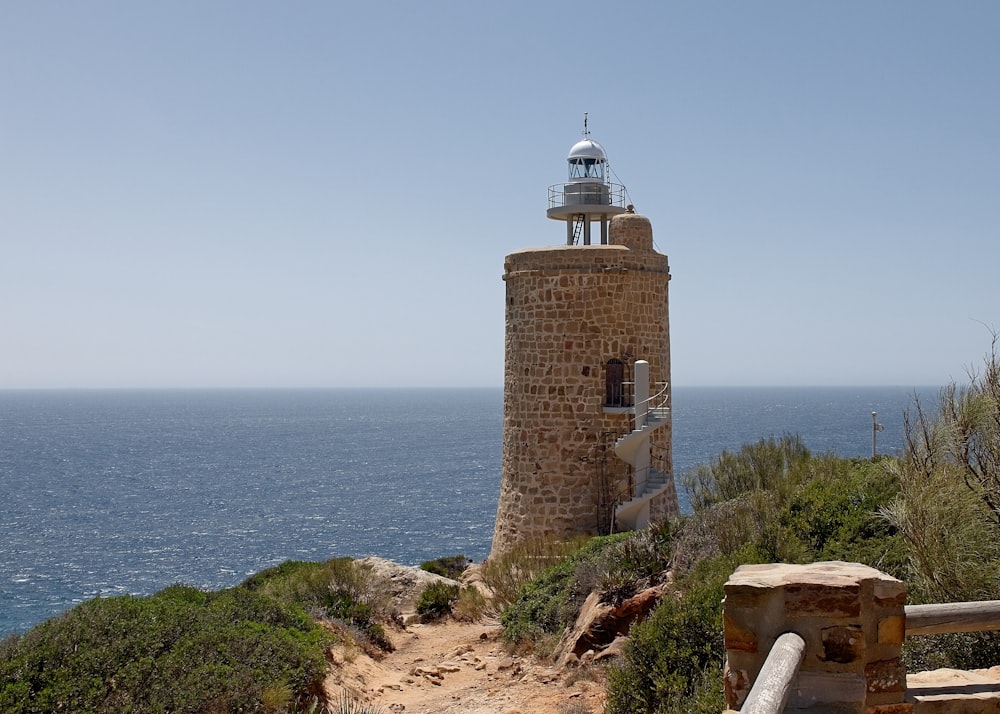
{"x": 313, "y": 194}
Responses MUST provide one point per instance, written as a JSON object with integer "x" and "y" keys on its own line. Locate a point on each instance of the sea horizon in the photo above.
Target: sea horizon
{"x": 383, "y": 388}
{"x": 115, "y": 491}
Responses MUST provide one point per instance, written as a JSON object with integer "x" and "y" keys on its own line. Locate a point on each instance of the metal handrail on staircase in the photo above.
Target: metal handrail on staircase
{"x": 655, "y": 405}
{"x": 660, "y": 399}
{"x": 627, "y": 492}
{"x": 648, "y": 414}
{"x": 642, "y": 423}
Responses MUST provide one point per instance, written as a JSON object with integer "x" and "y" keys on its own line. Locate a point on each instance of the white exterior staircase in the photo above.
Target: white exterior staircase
{"x": 651, "y": 413}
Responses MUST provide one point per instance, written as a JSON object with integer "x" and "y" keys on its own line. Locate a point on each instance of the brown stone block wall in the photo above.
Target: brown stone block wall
{"x": 570, "y": 309}
{"x": 850, "y": 617}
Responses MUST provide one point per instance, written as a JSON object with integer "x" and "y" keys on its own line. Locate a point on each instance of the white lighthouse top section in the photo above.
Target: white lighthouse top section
{"x": 587, "y": 149}
{"x": 588, "y": 195}
{"x": 587, "y": 161}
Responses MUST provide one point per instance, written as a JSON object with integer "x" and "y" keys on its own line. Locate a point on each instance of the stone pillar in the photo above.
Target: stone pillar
{"x": 851, "y": 618}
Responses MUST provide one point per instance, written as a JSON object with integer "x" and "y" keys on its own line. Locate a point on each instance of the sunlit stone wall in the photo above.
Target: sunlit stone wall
{"x": 852, "y": 620}
{"x": 569, "y": 310}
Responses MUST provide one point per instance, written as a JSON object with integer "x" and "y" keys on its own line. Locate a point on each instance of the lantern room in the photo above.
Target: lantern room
{"x": 587, "y": 197}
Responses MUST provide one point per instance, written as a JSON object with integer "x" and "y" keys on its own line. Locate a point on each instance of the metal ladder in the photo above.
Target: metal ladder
{"x": 578, "y": 220}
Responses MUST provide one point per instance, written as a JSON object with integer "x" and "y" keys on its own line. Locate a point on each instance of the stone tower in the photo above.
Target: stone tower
{"x": 586, "y": 427}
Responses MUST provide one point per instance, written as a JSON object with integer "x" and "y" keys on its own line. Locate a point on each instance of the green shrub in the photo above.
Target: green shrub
{"x": 436, "y": 600}
{"x": 707, "y": 695}
{"x": 769, "y": 465}
{"x": 451, "y": 566}
{"x": 320, "y": 585}
{"x": 180, "y": 650}
{"x": 339, "y": 589}
{"x": 674, "y": 658}
{"x": 837, "y": 514}
{"x": 738, "y": 499}
{"x": 616, "y": 566}
{"x": 795, "y": 508}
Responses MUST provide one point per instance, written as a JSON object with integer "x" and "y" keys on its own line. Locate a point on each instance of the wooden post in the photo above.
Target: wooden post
{"x": 941, "y": 618}
{"x": 774, "y": 683}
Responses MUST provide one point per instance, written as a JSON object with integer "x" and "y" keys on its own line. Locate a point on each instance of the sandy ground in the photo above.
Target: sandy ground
{"x": 451, "y": 667}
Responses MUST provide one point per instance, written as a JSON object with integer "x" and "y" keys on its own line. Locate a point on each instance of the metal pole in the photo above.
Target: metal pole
{"x": 876, "y": 427}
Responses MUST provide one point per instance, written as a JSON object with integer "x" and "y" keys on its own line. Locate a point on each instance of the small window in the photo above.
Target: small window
{"x": 586, "y": 169}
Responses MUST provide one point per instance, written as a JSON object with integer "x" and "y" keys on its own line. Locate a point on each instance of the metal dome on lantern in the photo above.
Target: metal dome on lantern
{"x": 587, "y": 197}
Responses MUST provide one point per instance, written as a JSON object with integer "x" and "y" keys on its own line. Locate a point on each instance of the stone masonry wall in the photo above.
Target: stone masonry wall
{"x": 851, "y": 618}
{"x": 569, "y": 310}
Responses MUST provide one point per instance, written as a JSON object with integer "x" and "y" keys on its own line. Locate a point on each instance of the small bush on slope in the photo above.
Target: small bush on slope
{"x": 451, "y": 566}
{"x": 543, "y": 608}
{"x": 672, "y": 663}
{"x": 616, "y": 566}
{"x": 470, "y": 606}
{"x": 507, "y": 574}
{"x": 436, "y": 600}
{"x": 181, "y": 650}
{"x": 339, "y": 589}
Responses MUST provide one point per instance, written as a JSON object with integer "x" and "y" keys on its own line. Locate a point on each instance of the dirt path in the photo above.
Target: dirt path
{"x": 461, "y": 668}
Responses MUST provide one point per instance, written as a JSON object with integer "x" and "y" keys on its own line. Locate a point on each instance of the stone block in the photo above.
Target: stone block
{"x": 817, "y": 690}
{"x": 886, "y": 676}
{"x": 843, "y": 645}
{"x": 847, "y": 614}
{"x": 812, "y": 600}
{"x": 892, "y": 630}
{"x": 950, "y": 691}
{"x": 737, "y": 637}
{"x": 743, "y": 596}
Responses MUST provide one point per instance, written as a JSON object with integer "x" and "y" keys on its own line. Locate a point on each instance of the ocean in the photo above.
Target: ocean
{"x": 113, "y": 492}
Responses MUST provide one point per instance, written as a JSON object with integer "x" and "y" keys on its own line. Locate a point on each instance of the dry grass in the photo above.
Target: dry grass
{"x": 507, "y": 574}
{"x": 470, "y": 606}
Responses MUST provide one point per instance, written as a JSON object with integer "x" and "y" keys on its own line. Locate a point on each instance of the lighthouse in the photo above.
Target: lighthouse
{"x": 587, "y": 420}
{"x": 587, "y": 197}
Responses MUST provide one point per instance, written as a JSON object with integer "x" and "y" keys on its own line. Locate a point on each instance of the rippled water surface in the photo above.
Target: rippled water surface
{"x": 112, "y": 492}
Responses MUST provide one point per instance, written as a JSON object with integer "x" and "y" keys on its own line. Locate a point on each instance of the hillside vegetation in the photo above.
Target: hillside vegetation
{"x": 257, "y": 647}
{"x": 769, "y": 501}
{"x": 930, "y": 517}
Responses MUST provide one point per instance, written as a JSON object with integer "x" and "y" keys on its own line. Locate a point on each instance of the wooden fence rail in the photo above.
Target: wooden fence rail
{"x": 774, "y": 683}
{"x": 941, "y": 618}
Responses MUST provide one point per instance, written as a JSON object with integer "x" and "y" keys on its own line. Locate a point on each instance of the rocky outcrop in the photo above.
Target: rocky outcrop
{"x": 600, "y": 625}
{"x": 404, "y": 583}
